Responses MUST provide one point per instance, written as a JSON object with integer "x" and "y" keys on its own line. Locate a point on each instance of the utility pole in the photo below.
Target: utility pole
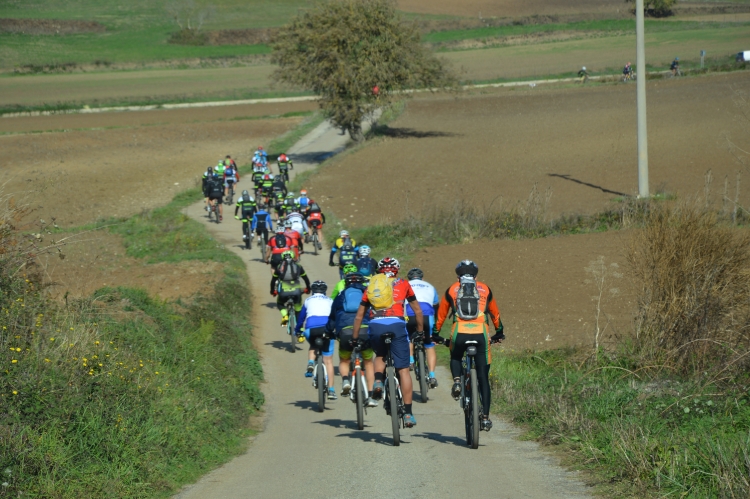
{"x": 640, "y": 54}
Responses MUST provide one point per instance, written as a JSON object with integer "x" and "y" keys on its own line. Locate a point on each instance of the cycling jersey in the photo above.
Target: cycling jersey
{"x": 247, "y": 207}
{"x": 277, "y": 247}
{"x": 402, "y": 293}
{"x": 298, "y": 223}
{"x": 219, "y": 170}
{"x": 487, "y": 305}
{"x": 427, "y": 296}
{"x": 315, "y": 312}
{"x": 296, "y": 240}
{"x": 262, "y": 220}
{"x": 315, "y": 219}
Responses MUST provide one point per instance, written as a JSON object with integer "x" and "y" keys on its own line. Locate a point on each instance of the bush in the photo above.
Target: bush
{"x": 692, "y": 277}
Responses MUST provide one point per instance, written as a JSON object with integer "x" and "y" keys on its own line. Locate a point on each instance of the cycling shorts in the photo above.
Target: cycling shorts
{"x": 345, "y": 336}
{"x": 427, "y": 322}
{"x": 230, "y": 181}
{"x": 399, "y": 344}
{"x": 328, "y": 345}
{"x": 216, "y": 197}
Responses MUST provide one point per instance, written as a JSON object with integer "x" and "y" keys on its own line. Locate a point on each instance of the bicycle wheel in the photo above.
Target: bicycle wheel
{"x": 315, "y": 243}
{"x": 291, "y": 324}
{"x": 262, "y": 247}
{"x": 248, "y": 238}
{"x": 390, "y": 373}
{"x": 474, "y": 410}
{"x": 359, "y": 395}
{"x": 421, "y": 371}
{"x": 321, "y": 378}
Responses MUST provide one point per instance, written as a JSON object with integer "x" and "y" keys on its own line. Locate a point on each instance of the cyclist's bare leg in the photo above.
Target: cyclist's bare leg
{"x": 431, "y": 358}
{"x": 328, "y": 361}
{"x": 369, "y": 373}
{"x": 343, "y": 368}
{"x": 404, "y": 377}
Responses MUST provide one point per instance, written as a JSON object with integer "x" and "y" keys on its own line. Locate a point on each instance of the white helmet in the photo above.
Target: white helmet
{"x": 584, "y": 68}
{"x": 344, "y": 233}
{"x": 364, "y": 250}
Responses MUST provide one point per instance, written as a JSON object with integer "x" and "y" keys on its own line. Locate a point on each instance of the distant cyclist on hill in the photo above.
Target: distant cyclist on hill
{"x": 346, "y": 247}
{"x": 231, "y": 176}
{"x": 285, "y": 285}
{"x": 247, "y": 204}
{"x": 215, "y": 187}
{"x": 204, "y": 184}
{"x": 315, "y": 217}
{"x": 285, "y": 164}
{"x": 583, "y": 75}
{"x": 261, "y": 224}
{"x": 472, "y": 306}
{"x": 675, "y": 66}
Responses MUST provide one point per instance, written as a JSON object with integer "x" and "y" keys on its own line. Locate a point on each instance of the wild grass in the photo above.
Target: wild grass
{"x": 120, "y": 394}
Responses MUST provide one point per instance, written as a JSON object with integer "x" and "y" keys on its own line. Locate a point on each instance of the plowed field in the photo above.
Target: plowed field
{"x": 580, "y": 142}
{"x": 509, "y": 8}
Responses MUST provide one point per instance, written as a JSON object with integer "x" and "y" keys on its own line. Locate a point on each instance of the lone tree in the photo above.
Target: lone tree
{"x": 656, "y": 8}
{"x": 355, "y": 54}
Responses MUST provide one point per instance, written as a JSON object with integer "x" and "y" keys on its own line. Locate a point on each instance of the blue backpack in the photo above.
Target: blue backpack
{"x": 365, "y": 266}
{"x": 352, "y": 299}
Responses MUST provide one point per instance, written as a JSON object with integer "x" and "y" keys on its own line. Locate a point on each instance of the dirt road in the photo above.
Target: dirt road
{"x": 303, "y": 453}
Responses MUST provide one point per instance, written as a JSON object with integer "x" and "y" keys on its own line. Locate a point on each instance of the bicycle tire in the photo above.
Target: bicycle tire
{"x": 359, "y": 395}
{"x": 292, "y": 319}
{"x": 248, "y": 237}
{"x": 422, "y": 375}
{"x": 474, "y": 409}
{"x": 395, "y": 424}
{"x": 315, "y": 243}
{"x": 262, "y": 247}
{"x": 321, "y": 377}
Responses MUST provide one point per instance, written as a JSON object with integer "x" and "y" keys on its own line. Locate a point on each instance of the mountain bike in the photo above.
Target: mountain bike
{"x": 394, "y": 402}
{"x": 421, "y": 371}
{"x": 315, "y": 238}
{"x": 230, "y": 192}
{"x": 214, "y": 211}
{"x": 629, "y": 77}
{"x": 470, "y": 399}
{"x": 358, "y": 393}
{"x": 248, "y": 233}
{"x": 262, "y": 244}
{"x": 318, "y": 337}
{"x": 292, "y": 314}
{"x": 284, "y": 174}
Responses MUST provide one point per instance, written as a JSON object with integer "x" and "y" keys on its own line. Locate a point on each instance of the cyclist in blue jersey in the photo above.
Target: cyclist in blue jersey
{"x": 261, "y": 224}
{"x": 428, "y": 299}
{"x": 314, "y": 314}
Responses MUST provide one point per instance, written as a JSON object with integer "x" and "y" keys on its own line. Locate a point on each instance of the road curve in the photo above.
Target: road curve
{"x": 303, "y": 453}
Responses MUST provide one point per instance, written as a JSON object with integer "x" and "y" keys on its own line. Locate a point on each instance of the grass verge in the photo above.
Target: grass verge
{"x": 121, "y": 394}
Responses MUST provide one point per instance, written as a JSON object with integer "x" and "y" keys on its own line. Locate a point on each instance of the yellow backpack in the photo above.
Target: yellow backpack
{"x": 380, "y": 292}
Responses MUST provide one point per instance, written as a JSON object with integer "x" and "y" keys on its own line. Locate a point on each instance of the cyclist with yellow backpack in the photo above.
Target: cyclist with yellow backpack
{"x": 383, "y": 302}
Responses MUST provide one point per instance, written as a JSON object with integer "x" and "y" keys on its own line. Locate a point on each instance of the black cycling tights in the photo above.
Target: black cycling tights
{"x": 483, "y": 368}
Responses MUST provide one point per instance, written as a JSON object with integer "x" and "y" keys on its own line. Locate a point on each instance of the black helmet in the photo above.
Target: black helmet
{"x": 245, "y": 195}
{"x": 415, "y": 273}
{"x": 210, "y": 170}
{"x": 319, "y": 287}
{"x": 354, "y": 278}
{"x": 467, "y": 267}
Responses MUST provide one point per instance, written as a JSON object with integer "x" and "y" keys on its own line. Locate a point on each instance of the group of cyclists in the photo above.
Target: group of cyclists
{"x": 628, "y": 73}
{"x": 369, "y": 300}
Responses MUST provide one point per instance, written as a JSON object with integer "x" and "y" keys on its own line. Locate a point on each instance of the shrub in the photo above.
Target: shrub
{"x": 692, "y": 276}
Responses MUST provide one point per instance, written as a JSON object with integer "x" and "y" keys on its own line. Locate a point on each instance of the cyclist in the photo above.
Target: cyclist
{"x": 366, "y": 265}
{"x": 315, "y": 217}
{"x": 260, "y": 157}
{"x": 346, "y": 247}
{"x": 261, "y": 224}
{"x": 278, "y": 185}
{"x": 219, "y": 169}
{"x": 428, "y": 299}
{"x": 303, "y": 201}
{"x": 257, "y": 177}
{"x": 278, "y": 205}
{"x": 341, "y": 320}
{"x": 204, "y": 183}
{"x": 348, "y": 269}
{"x": 293, "y": 235}
{"x": 627, "y": 71}
{"x": 675, "y": 66}
{"x": 285, "y": 285}
{"x": 290, "y": 204}
{"x": 298, "y": 223}
{"x": 247, "y": 204}
{"x": 230, "y": 162}
{"x": 383, "y": 301}
{"x": 583, "y": 75}
{"x": 231, "y": 176}
{"x": 285, "y": 164}
{"x": 314, "y": 314}
{"x": 277, "y": 246}
{"x": 266, "y": 186}
{"x": 472, "y": 306}
{"x": 215, "y": 187}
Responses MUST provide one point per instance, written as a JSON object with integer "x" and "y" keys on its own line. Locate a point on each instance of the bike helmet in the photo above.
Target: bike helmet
{"x": 266, "y": 177}
{"x": 354, "y": 278}
{"x": 676, "y": 58}
{"x": 467, "y": 267}
{"x": 279, "y": 229}
{"x": 415, "y": 273}
{"x": 303, "y": 192}
{"x": 344, "y": 233}
{"x": 388, "y": 265}
{"x": 584, "y": 68}
{"x": 288, "y": 255}
{"x": 260, "y": 148}
{"x": 319, "y": 287}
{"x": 288, "y": 224}
{"x": 349, "y": 268}
{"x": 282, "y": 157}
{"x": 290, "y": 195}
{"x": 245, "y": 195}
{"x": 210, "y": 170}
{"x": 364, "y": 250}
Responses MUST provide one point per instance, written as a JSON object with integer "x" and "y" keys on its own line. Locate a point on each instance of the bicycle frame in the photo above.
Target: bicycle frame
{"x": 358, "y": 376}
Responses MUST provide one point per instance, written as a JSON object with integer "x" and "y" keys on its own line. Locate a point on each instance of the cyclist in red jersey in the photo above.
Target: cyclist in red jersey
{"x": 277, "y": 245}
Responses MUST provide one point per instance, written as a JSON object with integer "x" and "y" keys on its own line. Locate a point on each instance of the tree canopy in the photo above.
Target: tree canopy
{"x": 355, "y": 54}
{"x": 656, "y": 8}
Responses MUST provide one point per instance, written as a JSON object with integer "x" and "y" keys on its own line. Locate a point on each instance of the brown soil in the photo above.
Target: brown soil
{"x": 545, "y": 294}
{"x": 97, "y": 259}
{"x": 509, "y": 8}
{"x": 82, "y": 176}
{"x": 50, "y": 26}
{"x": 580, "y": 142}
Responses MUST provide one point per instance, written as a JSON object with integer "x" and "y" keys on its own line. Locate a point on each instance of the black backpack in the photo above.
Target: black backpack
{"x": 467, "y": 299}
{"x": 347, "y": 253}
{"x": 281, "y": 241}
{"x": 216, "y": 188}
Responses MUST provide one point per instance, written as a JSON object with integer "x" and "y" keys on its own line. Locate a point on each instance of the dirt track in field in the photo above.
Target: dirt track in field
{"x": 579, "y": 142}
{"x": 509, "y": 8}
